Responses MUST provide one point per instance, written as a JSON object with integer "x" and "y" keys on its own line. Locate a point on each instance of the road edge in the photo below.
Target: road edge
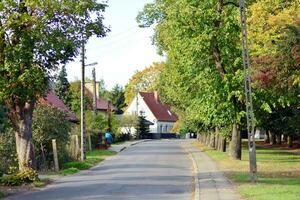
{"x": 195, "y": 173}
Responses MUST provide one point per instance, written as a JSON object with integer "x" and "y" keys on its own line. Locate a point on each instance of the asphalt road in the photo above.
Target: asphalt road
{"x": 153, "y": 170}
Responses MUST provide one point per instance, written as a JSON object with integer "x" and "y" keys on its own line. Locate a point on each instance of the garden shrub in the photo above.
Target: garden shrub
{"x": 50, "y": 123}
{"x": 19, "y": 178}
{"x": 7, "y": 151}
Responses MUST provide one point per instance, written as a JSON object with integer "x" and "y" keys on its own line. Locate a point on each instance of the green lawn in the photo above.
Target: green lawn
{"x": 92, "y": 158}
{"x": 278, "y": 173}
{"x": 1, "y": 195}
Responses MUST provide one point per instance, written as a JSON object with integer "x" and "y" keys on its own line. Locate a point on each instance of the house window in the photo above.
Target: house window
{"x": 166, "y": 128}
{"x": 160, "y": 129}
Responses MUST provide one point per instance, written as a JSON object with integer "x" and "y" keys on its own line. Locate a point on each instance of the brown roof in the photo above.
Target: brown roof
{"x": 102, "y": 104}
{"x": 161, "y": 111}
{"x": 53, "y": 100}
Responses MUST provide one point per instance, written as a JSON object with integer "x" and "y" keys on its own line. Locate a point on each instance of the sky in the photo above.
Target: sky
{"x": 126, "y": 49}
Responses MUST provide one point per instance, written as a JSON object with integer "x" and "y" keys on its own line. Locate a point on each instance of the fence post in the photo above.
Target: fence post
{"x": 56, "y": 167}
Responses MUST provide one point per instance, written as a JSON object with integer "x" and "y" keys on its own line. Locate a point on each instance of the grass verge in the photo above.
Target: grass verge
{"x": 1, "y": 195}
{"x": 278, "y": 173}
{"x": 41, "y": 183}
{"x": 92, "y": 158}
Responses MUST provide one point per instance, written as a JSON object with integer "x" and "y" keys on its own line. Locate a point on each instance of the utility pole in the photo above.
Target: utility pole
{"x": 94, "y": 93}
{"x": 83, "y": 130}
{"x": 109, "y": 115}
{"x": 248, "y": 92}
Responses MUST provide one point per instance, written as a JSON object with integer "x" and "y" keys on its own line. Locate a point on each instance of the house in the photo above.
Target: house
{"x": 102, "y": 105}
{"x": 149, "y": 104}
{"x": 53, "y": 100}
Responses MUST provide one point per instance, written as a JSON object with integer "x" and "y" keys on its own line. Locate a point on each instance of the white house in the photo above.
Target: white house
{"x": 159, "y": 114}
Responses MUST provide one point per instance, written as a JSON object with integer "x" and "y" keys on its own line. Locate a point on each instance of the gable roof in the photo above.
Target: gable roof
{"x": 101, "y": 103}
{"x": 53, "y": 100}
{"x": 161, "y": 111}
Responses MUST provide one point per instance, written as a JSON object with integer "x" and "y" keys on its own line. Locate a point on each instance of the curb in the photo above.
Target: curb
{"x": 132, "y": 144}
{"x": 195, "y": 173}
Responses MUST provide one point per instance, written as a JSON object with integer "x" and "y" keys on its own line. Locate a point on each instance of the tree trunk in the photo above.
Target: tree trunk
{"x": 223, "y": 145}
{"x": 267, "y": 137}
{"x": 290, "y": 141}
{"x": 285, "y": 137}
{"x": 278, "y": 139}
{"x": 272, "y": 138}
{"x": 235, "y": 144}
{"x": 22, "y": 121}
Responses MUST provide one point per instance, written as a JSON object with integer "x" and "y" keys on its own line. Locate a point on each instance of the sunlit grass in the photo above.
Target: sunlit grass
{"x": 92, "y": 158}
{"x": 278, "y": 173}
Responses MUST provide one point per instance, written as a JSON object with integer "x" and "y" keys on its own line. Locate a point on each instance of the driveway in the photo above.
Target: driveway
{"x": 153, "y": 170}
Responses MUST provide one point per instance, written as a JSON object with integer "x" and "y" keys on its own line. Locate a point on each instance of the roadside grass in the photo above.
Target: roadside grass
{"x": 278, "y": 173}
{"x": 1, "y": 195}
{"x": 92, "y": 158}
{"x": 41, "y": 182}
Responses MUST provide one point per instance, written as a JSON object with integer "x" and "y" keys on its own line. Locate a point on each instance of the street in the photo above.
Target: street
{"x": 150, "y": 170}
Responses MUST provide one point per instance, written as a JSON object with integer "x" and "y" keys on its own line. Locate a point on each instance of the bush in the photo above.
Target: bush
{"x": 26, "y": 176}
{"x": 77, "y": 164}
{"x": 7, "y": 151}
{"x": 49, "y": 123}
{"x": 69, "y": 171}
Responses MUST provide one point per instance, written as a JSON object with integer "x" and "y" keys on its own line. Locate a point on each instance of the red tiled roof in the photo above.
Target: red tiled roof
{"x": 161, "y": 111}
{"x": 102, "y": 104}
{"x": 53, "y": 100}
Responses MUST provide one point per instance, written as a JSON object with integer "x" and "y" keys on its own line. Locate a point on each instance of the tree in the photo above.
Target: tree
{"x": 203, "y": 76}
{"x": 142, "y": 128}
{"x": 49, "y": 123}
{"x": 274, "y": 31}
{"x": 35, "y": 38}
{"x": 62, "y": 86}
{"x": 116, "y": 95}
{"x": 145, "y": 80}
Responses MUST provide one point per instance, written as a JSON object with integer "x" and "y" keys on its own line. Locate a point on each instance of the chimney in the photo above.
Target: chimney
{"x": 156, "y": 96}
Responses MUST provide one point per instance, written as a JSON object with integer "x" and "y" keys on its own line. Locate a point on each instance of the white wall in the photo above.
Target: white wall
{"x": 164, "y": 127}
{"x": 159, "y": 126}
{"x": 142, "y": 106}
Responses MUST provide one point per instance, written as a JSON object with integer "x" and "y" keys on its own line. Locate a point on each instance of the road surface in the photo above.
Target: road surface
{"x": 153, "y": 170}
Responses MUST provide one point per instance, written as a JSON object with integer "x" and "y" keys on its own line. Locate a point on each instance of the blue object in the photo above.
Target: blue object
{"x": 108, "y": 137}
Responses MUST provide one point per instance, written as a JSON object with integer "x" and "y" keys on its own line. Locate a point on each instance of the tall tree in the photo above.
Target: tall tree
{"x": 62, "y": 86}
{"x": 145, "y": 80}
{"x": 116, "y": 95}
{"x": 203, "y": 77}
{"x": 35, "y": 38}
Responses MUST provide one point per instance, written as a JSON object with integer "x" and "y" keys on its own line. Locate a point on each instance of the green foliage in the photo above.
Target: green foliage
{"x": 117, "y": 98}
{"x": 75, "y": 98}
{"x": 69, "y": 171}
{"x": 142, "y": 128}
{"x": 7, "y": 151}
{"x": 77, "y": 165}
{"x": 22, "y": 177}
{"x": 41, "y": 182}
{"x": 3, "y": 118}
{"x": 62, "y": 86}
{"x": 145, "y": 80}
{"x": 35, "y": 38}
{"x": 203, "y": 76}
{"x": 93, "y": 158}
{"x": 49, "y": 123}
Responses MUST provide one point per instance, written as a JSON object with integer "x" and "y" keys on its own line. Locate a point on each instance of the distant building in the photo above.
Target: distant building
{"x": 102, "y": 104}
{"x": 53, "y": 100}
{"x": 149, "y": 104}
